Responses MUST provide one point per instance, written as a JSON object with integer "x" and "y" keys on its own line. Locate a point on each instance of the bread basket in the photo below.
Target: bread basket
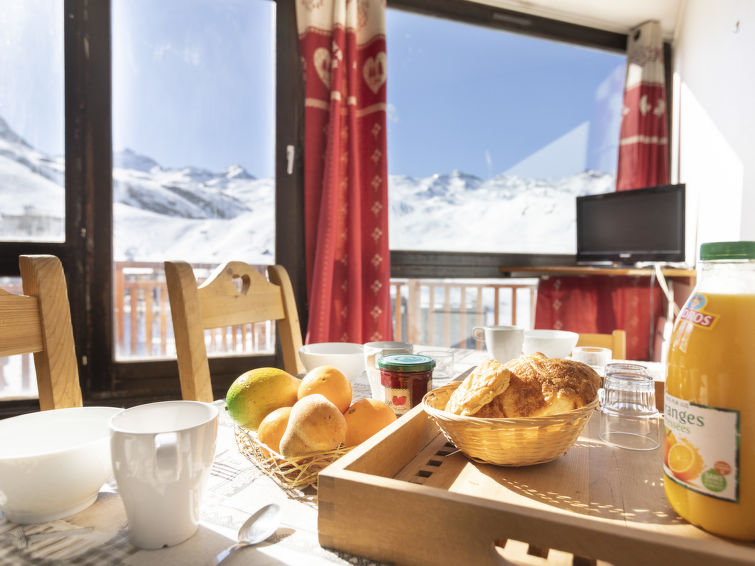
{"x": 507, "y": 441}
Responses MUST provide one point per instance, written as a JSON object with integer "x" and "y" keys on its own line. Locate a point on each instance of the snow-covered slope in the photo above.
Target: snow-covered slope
{"x": 205, "y": 216}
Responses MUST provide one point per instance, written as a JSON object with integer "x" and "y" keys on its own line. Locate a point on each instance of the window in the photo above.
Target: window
{"x": 98, "y": 129}
{"x": 491, "y": 136}
{"x": 193, "y": 162}
{"x": 32, "y": 199}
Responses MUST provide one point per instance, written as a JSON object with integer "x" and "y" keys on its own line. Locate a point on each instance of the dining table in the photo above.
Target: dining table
{"x": 236, "y": 488}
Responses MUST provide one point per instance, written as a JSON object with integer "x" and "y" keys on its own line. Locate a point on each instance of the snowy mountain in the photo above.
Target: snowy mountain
{"x": 203, "y": 216}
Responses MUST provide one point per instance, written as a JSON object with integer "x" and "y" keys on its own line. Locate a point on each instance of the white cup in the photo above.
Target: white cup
{"x": 161, "y": 455}
{"x": 595, "y": 357}
{"x": 504, "y": 343}
{"x": 373, "y": 351}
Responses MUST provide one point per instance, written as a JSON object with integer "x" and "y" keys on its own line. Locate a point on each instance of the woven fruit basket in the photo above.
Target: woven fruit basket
{"x": 293, "y": 474}
{"x": 507, "y": 441}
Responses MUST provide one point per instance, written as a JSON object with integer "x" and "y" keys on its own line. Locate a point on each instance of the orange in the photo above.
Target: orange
{"x": 366, "y": 417}
{"x": 685, "y": 461}
{"x": 272, "y": 427}
{"x": 329, "y": 382}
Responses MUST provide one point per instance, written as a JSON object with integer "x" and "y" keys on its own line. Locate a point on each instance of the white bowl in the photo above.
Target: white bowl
{"x": 346, "y": 356}
{"x": 53, "y": 463}
{"x": 552, "y": 343}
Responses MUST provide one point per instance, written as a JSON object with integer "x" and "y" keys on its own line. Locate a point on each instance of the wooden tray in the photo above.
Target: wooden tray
{"x": 406, "y": 496}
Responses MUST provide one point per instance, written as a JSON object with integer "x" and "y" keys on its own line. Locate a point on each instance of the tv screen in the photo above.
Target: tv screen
{"x": 627, "y": 227}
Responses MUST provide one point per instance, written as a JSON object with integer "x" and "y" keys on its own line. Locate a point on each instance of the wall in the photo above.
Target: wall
{"x": 714, "y": 98}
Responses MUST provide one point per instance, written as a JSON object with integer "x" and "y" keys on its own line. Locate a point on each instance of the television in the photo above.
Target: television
{"x": 630, "y": 227}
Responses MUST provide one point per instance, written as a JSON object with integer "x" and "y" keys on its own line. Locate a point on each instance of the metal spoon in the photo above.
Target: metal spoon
{"x": 263, "y": 523}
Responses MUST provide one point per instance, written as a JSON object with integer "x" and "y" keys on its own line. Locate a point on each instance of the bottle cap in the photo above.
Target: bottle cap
{"x": 713, "y": 251}
{"x": 406, "y": 362}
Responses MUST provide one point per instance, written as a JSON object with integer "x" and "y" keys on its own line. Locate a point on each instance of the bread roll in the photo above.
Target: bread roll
{"x": 539, "y": 386}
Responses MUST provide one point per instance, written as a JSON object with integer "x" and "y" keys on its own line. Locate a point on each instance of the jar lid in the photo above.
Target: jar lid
{"x": 406, "y": 362}
{"x": 712, "y": 251}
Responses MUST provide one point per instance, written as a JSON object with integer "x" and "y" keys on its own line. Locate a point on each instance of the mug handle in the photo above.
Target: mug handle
{"x": 478, "y": 333}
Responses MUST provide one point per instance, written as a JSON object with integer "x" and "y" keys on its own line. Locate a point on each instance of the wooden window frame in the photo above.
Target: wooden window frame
{"x": 86, "y": 253}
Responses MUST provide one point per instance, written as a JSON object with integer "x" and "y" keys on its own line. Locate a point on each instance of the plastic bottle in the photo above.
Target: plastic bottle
{"x": 709, "y": 413}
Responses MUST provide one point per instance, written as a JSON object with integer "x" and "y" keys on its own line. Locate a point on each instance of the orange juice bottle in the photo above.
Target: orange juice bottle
{"x": 709, "y": 411}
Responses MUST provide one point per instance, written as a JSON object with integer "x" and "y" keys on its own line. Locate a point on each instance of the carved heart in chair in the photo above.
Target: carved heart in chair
{"x": 242, "y": 283}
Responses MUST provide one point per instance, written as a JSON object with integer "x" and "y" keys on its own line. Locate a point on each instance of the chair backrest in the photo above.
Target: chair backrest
{"x": 218, "y": 302}
{"x": 39, "y": 322}
{"x": 616, "y": 341}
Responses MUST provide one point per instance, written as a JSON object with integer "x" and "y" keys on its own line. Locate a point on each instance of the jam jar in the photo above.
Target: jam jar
{"x": 404, "y": 380}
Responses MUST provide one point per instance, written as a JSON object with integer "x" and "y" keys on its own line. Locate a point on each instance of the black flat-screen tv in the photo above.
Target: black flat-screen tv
{"x": 629, "y": 227}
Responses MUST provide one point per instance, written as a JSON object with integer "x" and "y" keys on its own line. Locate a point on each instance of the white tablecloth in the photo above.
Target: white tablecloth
{"x": 236, "y": 488}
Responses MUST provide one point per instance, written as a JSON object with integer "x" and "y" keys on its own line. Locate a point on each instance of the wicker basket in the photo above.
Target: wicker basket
{"x": 507, "y": 441}
{"x": 292, "y": 474}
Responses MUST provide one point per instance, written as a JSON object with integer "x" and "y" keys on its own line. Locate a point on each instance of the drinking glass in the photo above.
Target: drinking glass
{"x": 444, "y": 365}
{"x": 628, "y": 414}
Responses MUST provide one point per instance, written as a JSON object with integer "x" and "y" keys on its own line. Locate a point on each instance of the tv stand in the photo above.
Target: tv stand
{"x": 554, "y": 270}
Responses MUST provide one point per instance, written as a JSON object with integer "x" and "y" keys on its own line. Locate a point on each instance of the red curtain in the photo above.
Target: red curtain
{"x": 604, "y": 303}
{"x": 345, "y": 173}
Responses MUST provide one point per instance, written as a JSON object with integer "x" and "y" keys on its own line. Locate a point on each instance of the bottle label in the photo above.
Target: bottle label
{"x": 701, "y": 448}
{"x": 693, "y": 312}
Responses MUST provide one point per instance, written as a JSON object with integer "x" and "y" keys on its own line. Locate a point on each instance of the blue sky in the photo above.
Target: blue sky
{"x": 193, "y": 84}
{"x": 480, "y": 100}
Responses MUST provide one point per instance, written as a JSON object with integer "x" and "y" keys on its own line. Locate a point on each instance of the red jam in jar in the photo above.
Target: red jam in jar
{"x": 404, "y": 380}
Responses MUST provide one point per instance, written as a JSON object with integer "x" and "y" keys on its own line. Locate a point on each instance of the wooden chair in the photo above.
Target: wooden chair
{"x": 218, "y": 303}
{"x": 616, "y": 341}
{"x": 39, "y": 322}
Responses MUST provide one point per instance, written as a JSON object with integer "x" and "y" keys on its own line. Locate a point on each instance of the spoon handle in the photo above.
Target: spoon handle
{"x": 223, "y": 554}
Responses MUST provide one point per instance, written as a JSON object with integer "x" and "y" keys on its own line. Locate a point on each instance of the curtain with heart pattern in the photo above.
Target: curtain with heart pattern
{"x": 345, "y": 172}
{"x": 605, "y": 303}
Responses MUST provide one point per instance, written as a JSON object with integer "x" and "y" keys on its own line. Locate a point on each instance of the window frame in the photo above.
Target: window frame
{"x": 440, "y": 264}
{"x": 86, "y": 253}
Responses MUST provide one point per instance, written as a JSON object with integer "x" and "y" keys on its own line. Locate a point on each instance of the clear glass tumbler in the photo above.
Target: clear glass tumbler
{"x": 628, "y": 414}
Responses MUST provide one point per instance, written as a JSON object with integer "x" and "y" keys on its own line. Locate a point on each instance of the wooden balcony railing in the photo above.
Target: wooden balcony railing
{"x": 432, "y": 312}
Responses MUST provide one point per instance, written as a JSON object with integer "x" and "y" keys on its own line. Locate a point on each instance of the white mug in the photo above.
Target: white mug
{"x": 373, "y": 351}
{"x": 504, "y": 343}
{"x": 161, "y": 455}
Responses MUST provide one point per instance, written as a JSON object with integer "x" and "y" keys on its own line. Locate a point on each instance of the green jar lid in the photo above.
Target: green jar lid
{"x": 406, "y": 362}
{"x": 713, "y": 251}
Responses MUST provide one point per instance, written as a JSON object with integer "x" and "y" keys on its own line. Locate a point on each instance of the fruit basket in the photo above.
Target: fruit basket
{"x": 507, "y": 441}
{"x": 293, "y": 474}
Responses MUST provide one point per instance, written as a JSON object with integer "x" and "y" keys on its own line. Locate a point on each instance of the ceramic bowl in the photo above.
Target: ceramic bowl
{"x": 346, "y": 356}
{"x": 53, "y": 463}
{"x": 552, "y": 343}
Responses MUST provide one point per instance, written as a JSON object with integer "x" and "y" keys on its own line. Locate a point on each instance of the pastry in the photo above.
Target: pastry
{"x": 537, "y": 386}
{"x": 487, "y": 381}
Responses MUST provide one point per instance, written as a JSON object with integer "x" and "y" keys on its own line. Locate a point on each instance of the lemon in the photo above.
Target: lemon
{"x": 258, "y": 392}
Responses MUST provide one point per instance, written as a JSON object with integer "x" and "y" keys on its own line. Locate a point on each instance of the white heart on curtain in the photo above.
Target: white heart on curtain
{"x": 322, "y": 64}
{"x": 375, "y": 72}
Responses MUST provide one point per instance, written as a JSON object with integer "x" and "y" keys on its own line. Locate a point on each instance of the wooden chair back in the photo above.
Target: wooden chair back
{"x": 218, "y": 302}
{"x": 616, "y": 341}
{"x": 39, "y": 322}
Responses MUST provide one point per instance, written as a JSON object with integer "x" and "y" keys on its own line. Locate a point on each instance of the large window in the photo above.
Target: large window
{"x": 193, "y": 163}
{"x": 32, "y": 197}
{"x": 492, "y": 134}
{"x": 157, "y": 126}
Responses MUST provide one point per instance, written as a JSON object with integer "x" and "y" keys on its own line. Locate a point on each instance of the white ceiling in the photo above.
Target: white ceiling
{"x": 612, "y": 15}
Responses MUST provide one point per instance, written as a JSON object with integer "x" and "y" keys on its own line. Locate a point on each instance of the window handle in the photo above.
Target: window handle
{"x": 290, "y": 152}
